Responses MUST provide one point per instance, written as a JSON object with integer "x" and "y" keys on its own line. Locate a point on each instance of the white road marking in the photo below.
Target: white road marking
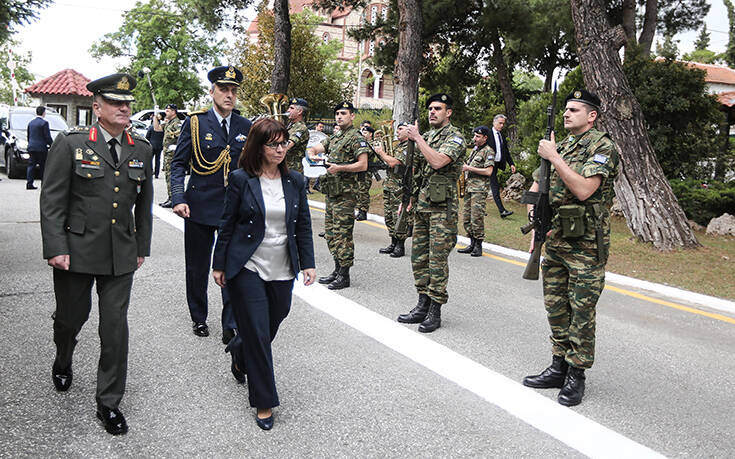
{"x": 581, "y": 433}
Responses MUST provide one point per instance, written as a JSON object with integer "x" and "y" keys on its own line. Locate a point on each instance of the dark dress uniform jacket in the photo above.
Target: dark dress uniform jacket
{"x": 39, "y": 135}
{"x": 95, "y": 211}
{"x": 205, "y": 194}
{"x": 505, "y": 157}
{"x": 243, "y": 223}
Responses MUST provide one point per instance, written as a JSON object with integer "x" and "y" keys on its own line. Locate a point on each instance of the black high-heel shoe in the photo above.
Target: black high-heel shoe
{"x": 233, "y": 347}
{"x": 265, "y": 424}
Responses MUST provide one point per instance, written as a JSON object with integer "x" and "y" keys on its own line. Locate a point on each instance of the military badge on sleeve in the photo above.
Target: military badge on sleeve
{"x": 458, "y": 140}
{"x": 600, "y": 159}
{"x": 363, "y": 143}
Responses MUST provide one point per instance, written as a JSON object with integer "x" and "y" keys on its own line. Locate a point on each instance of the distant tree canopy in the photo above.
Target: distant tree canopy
{"x": 22, "y": 75}
{"x": 15, "y": 13}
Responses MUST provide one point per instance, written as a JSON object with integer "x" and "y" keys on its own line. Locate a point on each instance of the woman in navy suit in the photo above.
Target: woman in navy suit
{"x": 264, "y": 240}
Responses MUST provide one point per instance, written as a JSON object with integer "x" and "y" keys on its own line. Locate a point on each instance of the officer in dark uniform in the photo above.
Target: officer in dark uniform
{"x": 211, "y": 141}
{"x": 96, "y": 226}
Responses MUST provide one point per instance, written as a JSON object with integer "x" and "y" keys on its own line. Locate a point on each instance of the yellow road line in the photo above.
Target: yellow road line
{"x": 622, "y": 291}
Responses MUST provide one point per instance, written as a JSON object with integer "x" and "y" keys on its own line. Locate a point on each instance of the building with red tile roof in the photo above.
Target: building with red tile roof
{"x": 66, "y": 92}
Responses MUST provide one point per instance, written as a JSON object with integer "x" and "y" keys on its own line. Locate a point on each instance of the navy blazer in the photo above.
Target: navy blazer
{"x": 205, "y": 194}
{"x": 242, "y": 227}
{"x": 39, "y": 135}
{"x": 505, "y": 157}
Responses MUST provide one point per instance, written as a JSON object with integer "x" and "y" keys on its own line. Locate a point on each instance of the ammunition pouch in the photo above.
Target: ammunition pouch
{"x": 439, "y": 189}
{"x": 571, "y": 217}
{"x": 332, "y": 186}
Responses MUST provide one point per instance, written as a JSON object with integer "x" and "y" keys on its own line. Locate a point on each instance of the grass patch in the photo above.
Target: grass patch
{"x": 709, "y": 270}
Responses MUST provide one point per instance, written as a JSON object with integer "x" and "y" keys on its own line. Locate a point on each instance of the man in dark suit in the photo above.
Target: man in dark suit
{"x": 211, "y": 141}
{"x": 39, "y": 140}
{"x": 96, "y": 224}
{"x": 499, "y": 145}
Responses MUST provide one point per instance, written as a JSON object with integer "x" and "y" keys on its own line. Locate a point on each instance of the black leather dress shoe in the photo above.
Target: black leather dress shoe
{"x": 200, "y": 329}
{"x": 361, "y": 215}
{"x": 227, "y": 335}
{"x": 62, "y": 379}
{"x": 236, "y": 372}
{"x": 321, "y": 234}
{"x": 31, "y": 187}
{"x": 113, "y": 420}
{"x": 506, "y": 213}
{"x": 265, "y": 424}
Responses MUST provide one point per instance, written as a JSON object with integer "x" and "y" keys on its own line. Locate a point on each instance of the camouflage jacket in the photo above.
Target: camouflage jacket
{"x": 481, "y": 158}
{"x": 394, "y": 175}
{"x": 299, "y": 135}
{"x": 345, "y": 147}
{"x": 171, "y": 132}
{"x": 447, "y": 140}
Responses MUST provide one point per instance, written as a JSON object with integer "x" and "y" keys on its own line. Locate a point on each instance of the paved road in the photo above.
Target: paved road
{"x": 663, "y": 379}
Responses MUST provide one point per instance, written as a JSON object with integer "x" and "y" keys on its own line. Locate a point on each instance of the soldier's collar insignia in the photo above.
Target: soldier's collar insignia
{"x": 123, "y": 84}
{"x": 130, "y": 138}
{"x": 577, "y": 94}
{"x": 230, "y": 73}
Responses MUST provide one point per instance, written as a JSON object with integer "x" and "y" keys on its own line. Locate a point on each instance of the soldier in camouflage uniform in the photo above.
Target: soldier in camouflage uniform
{"x": 171, "y": 131}
{"x": 298, "y": 134}
{"x": 392, "y": 190}
{"x": 346, "y": 155}
{"x": 436, "y": 170}
{"x": 363, "y": 188}
{"x": 478, "y": 168}
{"x": 583, "y": 170}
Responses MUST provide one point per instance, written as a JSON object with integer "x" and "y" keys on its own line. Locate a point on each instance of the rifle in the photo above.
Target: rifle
{"x": 540, "y": 218}
{"x": 406, "y": 184}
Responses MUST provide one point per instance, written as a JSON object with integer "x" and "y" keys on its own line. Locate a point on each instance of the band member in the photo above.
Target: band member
{"x": 298, "y": 134}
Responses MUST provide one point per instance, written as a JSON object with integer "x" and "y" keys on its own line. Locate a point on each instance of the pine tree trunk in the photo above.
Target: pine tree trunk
{"x": 650, "y": 207}
{"x": 408, "y": 63}
{"x": 281, "y": 48}
{"x": 506, "y": 87}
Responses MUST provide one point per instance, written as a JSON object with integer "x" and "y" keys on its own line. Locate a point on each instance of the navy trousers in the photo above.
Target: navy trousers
{"x": 259, "y": 307}
{"x": 198, "y": 244}
{"x": 495, "y": 188}
{"x": 36, "y": 158}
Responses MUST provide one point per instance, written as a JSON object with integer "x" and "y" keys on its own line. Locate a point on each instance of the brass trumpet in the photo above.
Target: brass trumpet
{"x": 276, "y": 105}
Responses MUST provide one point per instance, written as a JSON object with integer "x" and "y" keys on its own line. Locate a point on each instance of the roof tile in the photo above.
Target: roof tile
{"x": 66, "y": 82}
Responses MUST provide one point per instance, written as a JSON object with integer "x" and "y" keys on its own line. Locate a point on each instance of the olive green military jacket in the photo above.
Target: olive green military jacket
{"x": 345, "y": 147}
{"x": 171, "y": 132}
{"x": 447, "y": 140}
{"x": 97, "y": 212}
{"x": 299, "y": 135}
{"x": 482, "y": 159}
{"x": 394, "y": 175}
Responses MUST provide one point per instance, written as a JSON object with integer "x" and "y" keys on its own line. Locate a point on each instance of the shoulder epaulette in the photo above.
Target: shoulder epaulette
{"x": 78, "y": 130}
{"x": 199, "y": 112}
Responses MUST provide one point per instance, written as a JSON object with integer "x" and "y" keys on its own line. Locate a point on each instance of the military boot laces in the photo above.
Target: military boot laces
{"x": 418, "y": 313}
{"x": 390, "y": 248}
{"x": 330, "y": 278}
{"x": 552, "y": 376}
{"x": 573, "y": 391}
{"x": 342, "y": 280}
{"x": 433, "y": 318}
{"x": 477, "y": 249}
{"x": 469, "y": 248}
{"x": 399, "y": 250}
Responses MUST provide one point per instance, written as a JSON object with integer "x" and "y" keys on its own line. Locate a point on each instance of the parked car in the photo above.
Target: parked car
{"x": 14, "y": 136}
{"x": 147, "y": 115}
{"x": 139, "y": 127}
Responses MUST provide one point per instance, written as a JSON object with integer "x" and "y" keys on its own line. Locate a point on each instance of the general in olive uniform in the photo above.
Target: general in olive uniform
{"x": 171, "y": 131}
{"x": 211, "y": 141}
{"x": 298, "y": 134}
{"x": 477, "y": 170}
{"x": 437, "y": 169}
{"x": 583, "y": 171}
{"x": 395, "y": 160}
{"x": 96, "y": 226}
{"x": 346, "y": 155}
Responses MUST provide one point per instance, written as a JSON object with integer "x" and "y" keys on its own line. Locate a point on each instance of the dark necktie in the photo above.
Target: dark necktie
{"x": 113, "y": 151}
{"x": 224, "y": 128}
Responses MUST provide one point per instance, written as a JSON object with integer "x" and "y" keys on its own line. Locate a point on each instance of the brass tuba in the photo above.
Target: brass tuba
{"x": 461, "y": 184}
{"x": 276, "y": 105}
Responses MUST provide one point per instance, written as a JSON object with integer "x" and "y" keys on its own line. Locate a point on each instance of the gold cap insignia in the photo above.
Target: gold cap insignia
{"x": 345, "y": 105}
{"x": 123, "y": 84}
{"x": 294, "y": 101}
{"x": 577, "y": 94}
{"x": 444, "y": 97}
{"x": 230, "y": 73}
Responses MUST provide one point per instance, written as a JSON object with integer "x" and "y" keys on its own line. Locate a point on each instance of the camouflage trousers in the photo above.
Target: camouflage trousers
{"x": 167, "y": 157}
{"x": 473, "y": 216}
{"x": 434, "y": 237}
{"x": 339, "y": 223}
{"x": 363, "y": 192}
{"x": 391, "y": 201}
{"x": 573, "y": 281}
{"x": 293, "y": 161}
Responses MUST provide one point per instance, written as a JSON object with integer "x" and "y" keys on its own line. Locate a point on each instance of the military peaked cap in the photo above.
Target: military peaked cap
{"x": 117, "y": 86}
{"x": 226, "y": 74}
{"x": 484, "y": 130}
{"x": 441, "y": 97}
{"x": 586, "y": 97}
{"x": 344, "y": 106}
{"x": 299, "y": 101}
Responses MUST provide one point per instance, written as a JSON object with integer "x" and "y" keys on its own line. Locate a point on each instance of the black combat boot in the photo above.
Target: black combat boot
{"x": 390, "y": 248}
{"x": 342, "y": 280}
{"x": 400, "y": 249}
{"x": 469, "y": 248}
{"x": 573, "y": 391}
{"x": 418, "y": 313}
{"x": 553, "y": 376}
{"x": 361, "y": 215}
{"x": 433, "y": 318}
{"x": 330, "y": 278}
{"x": 477, "y": 249}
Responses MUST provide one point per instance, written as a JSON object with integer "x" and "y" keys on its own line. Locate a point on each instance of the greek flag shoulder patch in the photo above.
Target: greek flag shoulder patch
{"x": 600, "y": 159}
{"x": 458, "y": 140}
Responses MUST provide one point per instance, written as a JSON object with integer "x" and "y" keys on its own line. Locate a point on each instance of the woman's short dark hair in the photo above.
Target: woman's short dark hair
{"x": 263, "y": 131}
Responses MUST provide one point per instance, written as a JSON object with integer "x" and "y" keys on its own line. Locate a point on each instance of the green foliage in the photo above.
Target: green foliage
{"x": 704, "y": 56}
{"x": 702, "y": 42}
{"x": 374, "y": 116}
{"x": 729, "y": 54}
{"x": 173, "y": 45}
{"x": 681, "y": 116}
{"x": 704, "y": 201}
{"x": 22, "y": 75}
{"x": 317, "y": 75}
{"x": 18, "y": 13}
{"x": 668, "y": 49}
